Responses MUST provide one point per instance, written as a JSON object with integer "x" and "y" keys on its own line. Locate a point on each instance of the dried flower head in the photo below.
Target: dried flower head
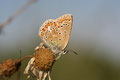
{"x": 10, "y": 66}
{"x": 40, "y": 65}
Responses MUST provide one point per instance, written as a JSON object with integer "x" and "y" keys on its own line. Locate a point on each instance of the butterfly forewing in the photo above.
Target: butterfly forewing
{"x": 57, "y": 32}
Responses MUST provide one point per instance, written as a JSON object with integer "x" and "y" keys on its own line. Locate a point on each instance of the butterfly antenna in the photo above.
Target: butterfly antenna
{"x": 73, "y": 52}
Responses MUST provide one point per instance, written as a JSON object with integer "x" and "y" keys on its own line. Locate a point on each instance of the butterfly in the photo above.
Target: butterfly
{"x": 56, "y": 33}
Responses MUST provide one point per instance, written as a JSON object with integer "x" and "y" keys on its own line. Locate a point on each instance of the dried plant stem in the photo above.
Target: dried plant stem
{"x": 21, "y": 59}
{"x": 17, "y": 13}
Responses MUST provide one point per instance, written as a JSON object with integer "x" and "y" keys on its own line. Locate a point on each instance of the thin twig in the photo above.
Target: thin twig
{"x": 21, "y": 59}
{"x": 17, "y": 13}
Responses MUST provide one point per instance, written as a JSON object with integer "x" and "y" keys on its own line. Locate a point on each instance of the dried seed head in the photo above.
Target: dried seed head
{"x": 9, "y": 67}
{"x": 44, "y": 59}
{"x": 40, "y": 64}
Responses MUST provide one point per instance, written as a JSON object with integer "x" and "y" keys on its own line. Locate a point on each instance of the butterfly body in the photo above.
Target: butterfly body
{"x": 56, "y": 33}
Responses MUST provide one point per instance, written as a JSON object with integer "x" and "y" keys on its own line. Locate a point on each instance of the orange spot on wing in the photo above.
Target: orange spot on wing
{"x": 60, "y": 21}
{"x": 42, "y": 35}
{"x": 43, "y": 29}
{"x": 46, "y": 26}
{"x": 55, "y": 24}
{"x": 51, "y": 23}
{"x": 63, "y": 19}
{"x": 68, "y": 19}
{"x": 58, "y": 26}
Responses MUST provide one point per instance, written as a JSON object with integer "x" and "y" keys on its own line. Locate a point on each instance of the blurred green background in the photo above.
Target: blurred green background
{"x": 95, "y": 37}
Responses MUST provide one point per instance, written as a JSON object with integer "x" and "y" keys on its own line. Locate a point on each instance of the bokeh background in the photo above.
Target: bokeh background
{"x": 95, "y": 37}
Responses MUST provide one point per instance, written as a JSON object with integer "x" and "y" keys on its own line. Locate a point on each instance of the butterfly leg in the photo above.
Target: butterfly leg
{"x": 49, "y": 78}
{"x": 57, "y": 56}
{"x": 40, "y": 75}
{"x": 45, "y": 75}
{"x": 29, "y": 67}
{"x": 41, "y": 45}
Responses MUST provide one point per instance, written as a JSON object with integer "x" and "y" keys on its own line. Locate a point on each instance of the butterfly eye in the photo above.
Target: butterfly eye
{"x": 64, "y": 52}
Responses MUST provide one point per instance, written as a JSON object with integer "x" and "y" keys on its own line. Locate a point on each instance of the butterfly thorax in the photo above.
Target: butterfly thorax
{"x": 58, "y": 52}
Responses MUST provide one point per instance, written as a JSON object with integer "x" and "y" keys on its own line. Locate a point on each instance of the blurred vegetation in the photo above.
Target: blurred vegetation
{"x": 81, "y": 67}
